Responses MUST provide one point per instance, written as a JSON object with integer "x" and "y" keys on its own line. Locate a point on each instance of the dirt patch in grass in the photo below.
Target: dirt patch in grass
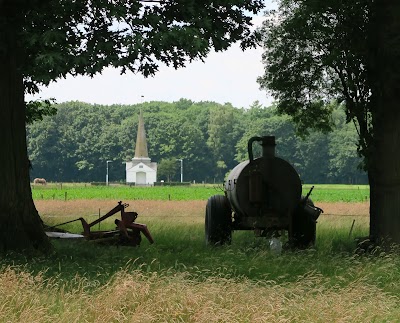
{"x": 80, "y": 208}
{"x": 342, "y": 208}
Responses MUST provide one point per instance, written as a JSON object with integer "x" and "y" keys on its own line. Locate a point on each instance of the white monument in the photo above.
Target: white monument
{"x": 141, "y": 170}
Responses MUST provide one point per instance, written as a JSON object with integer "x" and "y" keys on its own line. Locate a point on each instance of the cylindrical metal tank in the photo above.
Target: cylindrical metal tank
{"x": 263, "y": 192}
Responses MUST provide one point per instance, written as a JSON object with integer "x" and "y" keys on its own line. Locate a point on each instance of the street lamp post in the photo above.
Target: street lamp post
{"x": 108, "y": 161}
{"x": 181, "y": 160}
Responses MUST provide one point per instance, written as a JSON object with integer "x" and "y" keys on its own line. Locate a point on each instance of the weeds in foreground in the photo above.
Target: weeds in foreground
{"x": 134, "y": 296}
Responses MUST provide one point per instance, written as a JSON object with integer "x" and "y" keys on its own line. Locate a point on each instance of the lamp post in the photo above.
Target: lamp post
{"x": 108, "y": 161}
{"x": 181, "y": 160}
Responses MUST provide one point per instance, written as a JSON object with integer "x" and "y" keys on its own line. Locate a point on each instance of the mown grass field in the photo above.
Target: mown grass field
{"x": 179, "y": 279}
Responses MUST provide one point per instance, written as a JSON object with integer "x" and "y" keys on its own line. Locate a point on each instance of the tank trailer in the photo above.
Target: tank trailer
{"x": 263, "y": 195}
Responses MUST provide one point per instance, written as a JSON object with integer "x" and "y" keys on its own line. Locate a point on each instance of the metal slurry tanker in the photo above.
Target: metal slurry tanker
{"x": 264, "y": 195}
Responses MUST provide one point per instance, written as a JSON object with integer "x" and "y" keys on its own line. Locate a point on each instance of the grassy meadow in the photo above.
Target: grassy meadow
{"x": 55, "y": 191}
{"x": 179, "y": 279}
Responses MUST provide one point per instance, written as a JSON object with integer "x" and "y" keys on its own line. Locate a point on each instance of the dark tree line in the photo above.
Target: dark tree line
{"x": 211, "y": 138}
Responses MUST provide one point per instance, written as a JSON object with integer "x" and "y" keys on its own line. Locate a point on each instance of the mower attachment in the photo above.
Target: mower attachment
{"x": 127, "y": 232}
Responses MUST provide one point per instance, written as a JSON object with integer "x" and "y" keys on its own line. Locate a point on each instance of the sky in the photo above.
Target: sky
{"x": 229, "y": 76}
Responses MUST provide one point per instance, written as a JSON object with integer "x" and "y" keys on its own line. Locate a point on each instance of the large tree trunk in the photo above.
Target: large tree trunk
{"x": 20, "y": 224}
{"x": 384, "y": 173}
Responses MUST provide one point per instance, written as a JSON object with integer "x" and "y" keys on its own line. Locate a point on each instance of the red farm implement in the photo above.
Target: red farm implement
{"x": 127, "y": 232}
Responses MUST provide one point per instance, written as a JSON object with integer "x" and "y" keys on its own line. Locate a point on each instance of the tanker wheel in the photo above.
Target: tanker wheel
{"x": 304, "y": 228}
{"x": 218, "y": 222}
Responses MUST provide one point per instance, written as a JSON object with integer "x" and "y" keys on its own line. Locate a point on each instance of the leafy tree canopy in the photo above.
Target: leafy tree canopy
{"x": 82, "y": 37}
{"x": 167, "y": 168}
{"x": 315, "y": 52}
{"x": 36, "y": 110}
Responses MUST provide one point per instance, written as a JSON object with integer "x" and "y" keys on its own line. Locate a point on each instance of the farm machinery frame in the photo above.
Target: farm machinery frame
{"x": 127, "y": 232}
{"x": 263, "y": 195}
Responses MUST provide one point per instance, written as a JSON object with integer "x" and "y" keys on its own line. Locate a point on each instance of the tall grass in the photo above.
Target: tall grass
{"x": 178, "y": 230}
{"x": 132, "y": 296}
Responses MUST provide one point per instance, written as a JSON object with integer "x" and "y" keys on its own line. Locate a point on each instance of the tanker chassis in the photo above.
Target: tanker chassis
{"x": 264, "y": 195}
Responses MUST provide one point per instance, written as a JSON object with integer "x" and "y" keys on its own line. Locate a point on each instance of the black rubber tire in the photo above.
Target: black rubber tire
{"x": 304, "y": 228}
{"x": 218, "y": 221}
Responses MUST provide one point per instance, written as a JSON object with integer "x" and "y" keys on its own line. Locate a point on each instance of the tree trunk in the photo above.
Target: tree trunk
{"x": 20, "y": 224}
{"x": 384, "y": 172}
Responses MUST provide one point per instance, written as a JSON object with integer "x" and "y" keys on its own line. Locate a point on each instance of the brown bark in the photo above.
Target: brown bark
{"x": 384, "y": 172}
{"x": 20, "y": 224}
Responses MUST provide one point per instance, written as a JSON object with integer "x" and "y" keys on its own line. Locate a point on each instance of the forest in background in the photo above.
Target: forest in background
{"x": 211, "y": 138}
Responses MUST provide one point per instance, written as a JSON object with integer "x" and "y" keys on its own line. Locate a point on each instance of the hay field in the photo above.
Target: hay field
{"x": 168, "y": 210}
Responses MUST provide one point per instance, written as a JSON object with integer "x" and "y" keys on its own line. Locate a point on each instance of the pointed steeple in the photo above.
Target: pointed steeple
{"x": 141, "y": 170}
{"x": 141, "y": 142}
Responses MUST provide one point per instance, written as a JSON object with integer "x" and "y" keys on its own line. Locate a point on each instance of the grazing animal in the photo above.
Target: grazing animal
{"x": 39, "y": 181}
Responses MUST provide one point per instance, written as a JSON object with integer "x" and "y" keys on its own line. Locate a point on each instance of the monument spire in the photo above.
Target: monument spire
{"x": 141, "y": 170}
{"x": 141, "y": 142}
